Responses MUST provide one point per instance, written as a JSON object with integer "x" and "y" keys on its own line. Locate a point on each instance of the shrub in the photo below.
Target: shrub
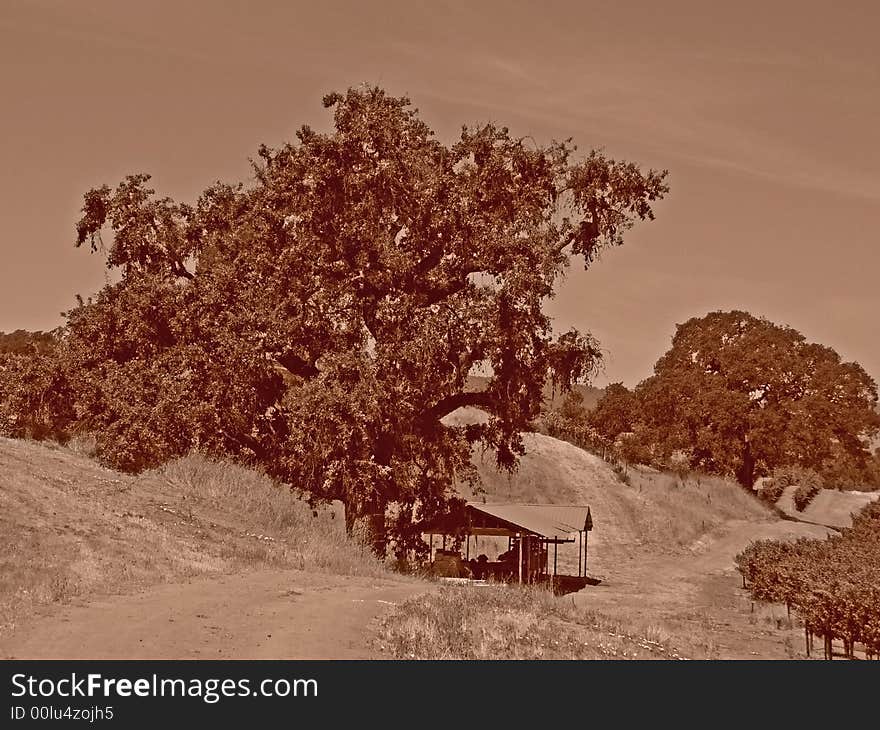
{"x": 808, "y": 484}
{"x": 804, "y": 494}
{"x": 771, "y": 491}
{"x": 622, "y": 473}
{"x": 680, "y": 463}
{"x": 36, "y": 399}
{"x": 789, "y": 476}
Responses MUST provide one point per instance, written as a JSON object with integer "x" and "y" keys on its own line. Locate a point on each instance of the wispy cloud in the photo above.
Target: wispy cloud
{"x": 695, "y": 117}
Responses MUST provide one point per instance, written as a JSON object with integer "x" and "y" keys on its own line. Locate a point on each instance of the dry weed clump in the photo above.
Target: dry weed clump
{"x": 512, "y": 622}
{"x": 83, "y": 445}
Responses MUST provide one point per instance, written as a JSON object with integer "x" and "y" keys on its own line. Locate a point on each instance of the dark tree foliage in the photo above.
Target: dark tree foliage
{"x": 569, "y": 422}
{"x": 36, "y": 399}
{"x": 616, "y": 413}
{"x": 740, "y": 395}
{"x": 808, "y": 484}
{"x": 25, "y": 342}
{"x": 321, "y": 320}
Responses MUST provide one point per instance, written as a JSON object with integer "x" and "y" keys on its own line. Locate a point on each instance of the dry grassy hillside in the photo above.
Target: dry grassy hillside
{"x": 655, "y": 511}
{"x": 829, "y": 507}
{"x": 71, "y": 528}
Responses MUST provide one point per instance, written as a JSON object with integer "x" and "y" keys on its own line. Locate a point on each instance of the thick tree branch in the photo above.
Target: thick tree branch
{"x": 567, "y": 241}
{"x": 445, "y": 406}
{"x": 437, "y": 294}
{"x": 428, "y": 262}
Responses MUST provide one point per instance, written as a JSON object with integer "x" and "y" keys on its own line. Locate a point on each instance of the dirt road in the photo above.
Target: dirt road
{"x": 699, "y": 594}
{"x": 261, "y": 615}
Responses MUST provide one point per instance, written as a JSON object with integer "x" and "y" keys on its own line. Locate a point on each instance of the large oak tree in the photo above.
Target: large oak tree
{"x": 741, "y": 395}
{"x": 321, "y": 319}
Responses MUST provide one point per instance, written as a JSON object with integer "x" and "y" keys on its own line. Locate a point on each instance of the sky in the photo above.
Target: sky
{"x": 766, "y": 115}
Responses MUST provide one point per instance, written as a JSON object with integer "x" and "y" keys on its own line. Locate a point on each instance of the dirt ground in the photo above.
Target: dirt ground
{"x": 261, "y": 615}
{"x": 298, "y": 615}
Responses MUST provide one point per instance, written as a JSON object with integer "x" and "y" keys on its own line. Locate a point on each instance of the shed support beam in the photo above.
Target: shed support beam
{"x": 580, "y": 551}
{"x": 586, "y": 539}
{"x": 519, "y": 556}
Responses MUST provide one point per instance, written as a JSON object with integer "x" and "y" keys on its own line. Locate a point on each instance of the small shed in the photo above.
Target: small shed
{"x": 531, "y": 530}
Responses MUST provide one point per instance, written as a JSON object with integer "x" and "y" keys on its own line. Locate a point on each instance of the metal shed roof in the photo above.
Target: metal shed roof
{"x": 546, "y": 520}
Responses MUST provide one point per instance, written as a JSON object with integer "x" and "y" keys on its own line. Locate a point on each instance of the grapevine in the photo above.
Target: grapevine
{"x": 832, "y": 585}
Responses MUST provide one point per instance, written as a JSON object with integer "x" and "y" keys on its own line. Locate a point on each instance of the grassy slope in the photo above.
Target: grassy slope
{"x": 72, "y": 528}
{"x": 829, "y": 507}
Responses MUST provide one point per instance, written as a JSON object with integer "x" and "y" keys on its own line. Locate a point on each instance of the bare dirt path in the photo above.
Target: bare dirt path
{"x": 700, "y": 595}
{"x": 260, "y": 615}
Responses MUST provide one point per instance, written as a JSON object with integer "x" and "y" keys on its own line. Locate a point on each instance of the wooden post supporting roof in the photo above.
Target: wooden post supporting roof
{"x": 519, "y": 554}
{"x": 586, "y": 538}
{"x": 580, "y": 550}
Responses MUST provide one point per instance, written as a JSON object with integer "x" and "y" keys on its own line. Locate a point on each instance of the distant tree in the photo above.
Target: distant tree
{"x": 323, "y": 320}
{"x": 616, "y": 412}
{"x": 741, "y": 395}
{"x": 569, "y": 421}
{"x": 572, "y": 407}
{"x": 26, "y": 342}
{"x": 36, "y": 398}
{"x": 873, "y": 480}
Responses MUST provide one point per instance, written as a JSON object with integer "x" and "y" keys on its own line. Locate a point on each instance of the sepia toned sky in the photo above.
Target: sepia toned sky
{"x": 765, "y": 113}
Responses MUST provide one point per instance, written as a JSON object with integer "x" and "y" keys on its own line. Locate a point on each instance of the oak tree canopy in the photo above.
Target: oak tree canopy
{"x": 321, "y": 319}
{"x": 739, "y": 395}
